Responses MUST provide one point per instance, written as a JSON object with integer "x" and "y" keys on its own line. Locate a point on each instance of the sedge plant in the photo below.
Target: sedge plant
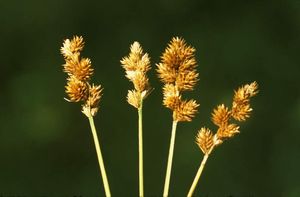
{"x": 221, "y": 117}
{"x": 136, "y": 65}
{"x": 177, "y": 70}
{"x": 79, "y": 89}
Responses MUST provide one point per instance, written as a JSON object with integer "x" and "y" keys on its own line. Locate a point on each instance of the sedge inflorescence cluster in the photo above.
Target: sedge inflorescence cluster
{"x": 79, "y": 72}
{"x": 222, "y": 115}
{"x": 136, "y": 65}
{"x": 177, "y": 70}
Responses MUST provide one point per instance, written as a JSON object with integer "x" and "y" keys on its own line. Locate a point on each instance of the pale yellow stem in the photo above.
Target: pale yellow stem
{"x": 141, "y": 173}
{"x": 100, "y": 158}
{"x": 170, "y": 158}
{"x": 197, "y": 177}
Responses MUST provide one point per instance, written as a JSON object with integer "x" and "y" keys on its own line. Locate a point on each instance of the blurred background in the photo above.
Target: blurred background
{"x": 46, "y": 144}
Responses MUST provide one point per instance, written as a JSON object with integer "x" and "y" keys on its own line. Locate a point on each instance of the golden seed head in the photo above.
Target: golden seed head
{"x": 240, "y": 106}
{"x": 72, "y": 47}
{"x": 76, "y": 90}
{"x": 134, "y": 98}
{"x": 204, "y": 140}
{"x": 91, "y": 105}
{"x": 177, "y": 70}
{"x": 140, "y": 81}
{"x": 228, "y": 131}
{"x": 171, "y": 99}
{"x": 95, "y": 95}
{"x": 178, "y": 65}
{"x": 185, "y": 111}
{"x": 82, "y": 69}
{"x": 136, "y": 65}
{"x": 187, "y": 80}
{"x": 221, "y": 115}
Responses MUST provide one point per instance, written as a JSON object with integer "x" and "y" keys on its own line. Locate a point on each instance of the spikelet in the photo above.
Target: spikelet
{"x": 80, "y": 72}
{"x": 136, "y": 65}
{"x": 185, "y": 111}
{"x": 134, "y": 98}
{"x": 178, "y": 65}
{"x": 71, "y": 48}
{"x": 221, "y": 116}
{"x": 227, "y": 131}
{"x": 204, "y": 140}
{"x": 177, "y": 70}
{"x": 240, "y": 106}
{"x": 171, "y": 99}
{"x": 77, "y": 90}
{"x": 95, "y": 94}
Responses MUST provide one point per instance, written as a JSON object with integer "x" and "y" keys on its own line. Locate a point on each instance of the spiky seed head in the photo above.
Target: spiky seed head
{"x": 241, "y": 101}
{"x": 221, "y": 115}
{"x": 134, "y": 98}
{"x": 228, "y": 131}
{"x": 71, "y": 47}
{"x": 171, "y": 99}
{"x": 81, "y": 69}
{"x": 204, "y": 140}
{"x": 187, "y": 80}
{"x": 178, "y": 65}
{"x": 136, "y": 65}
{"x": 185, "y": 111}
{"x": 76, "y": 90}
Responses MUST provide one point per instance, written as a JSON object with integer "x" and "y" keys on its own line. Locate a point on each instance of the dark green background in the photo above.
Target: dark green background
{"x": 46, "y": 145}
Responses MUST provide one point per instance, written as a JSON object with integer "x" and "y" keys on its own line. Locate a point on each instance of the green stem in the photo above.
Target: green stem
{"x": 100, "y": 158}
{"x": 197, "y": 177}
{"x": 141, "y": 173}
{"x": 170, "y": 158}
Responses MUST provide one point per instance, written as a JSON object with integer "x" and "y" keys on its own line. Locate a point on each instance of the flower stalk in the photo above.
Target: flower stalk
{"x": 136, "y": 65}
{"x": 141, "y": 165}
{"x": 170, "y": 159}
{"x": 99, "y": 156}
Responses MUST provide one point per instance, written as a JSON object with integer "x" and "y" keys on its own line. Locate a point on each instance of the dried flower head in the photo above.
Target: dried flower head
{"x": 80, "y": 72}
{"x": 72, "y": 48}
{"x": 136, "y": 65}
{"x": 240, "y": 106}
{"x": 185, "y": 111}
{"x": 227, "y": 131}
{"x": 178, "y": 71}
{"x": 172, "y": 99}
{"x": 134, "y": 98}
{"x": 77, "y": 90}
{"x": 204, "y": 140}
{"x": 82, "y": 69}
{"x": 95, "y": 94}
{"x": 178, "y": 65}
{"x": 221, "y": 116}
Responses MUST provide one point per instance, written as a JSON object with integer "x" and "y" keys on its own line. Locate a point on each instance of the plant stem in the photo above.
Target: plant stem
{"x": 100, "y": 158}
{"x": 197, "y": 177}
{"x": 170, "y": 158}
{"x": 141, "y": 173}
